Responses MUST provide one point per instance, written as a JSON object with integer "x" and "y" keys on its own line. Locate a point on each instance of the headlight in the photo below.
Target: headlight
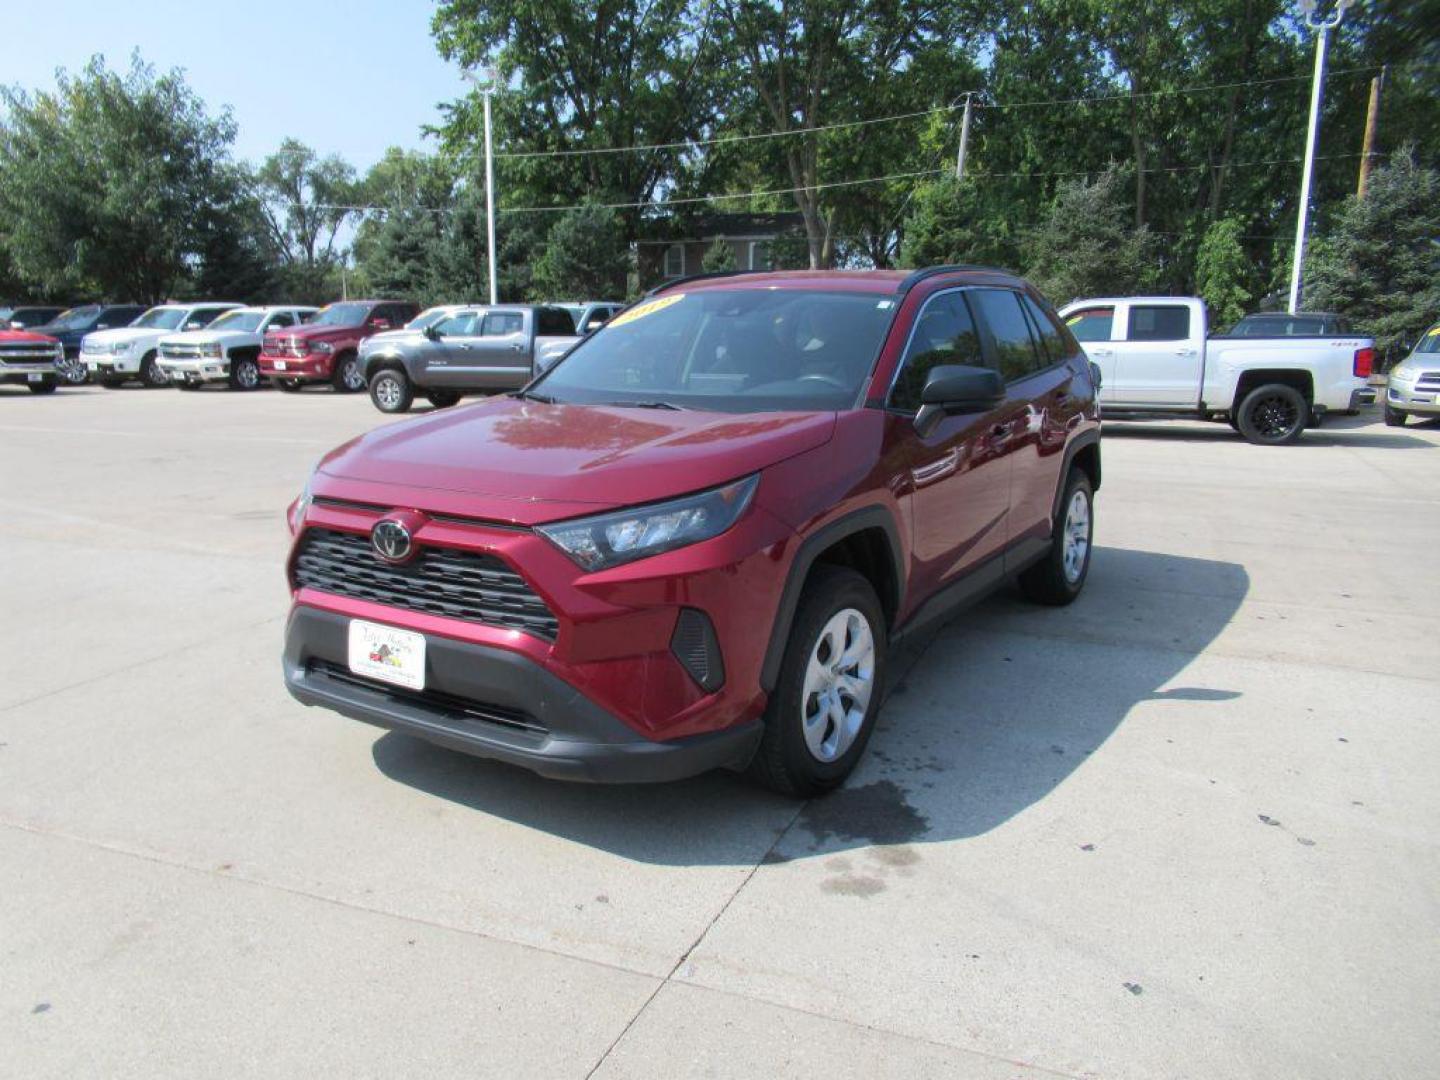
{"x": 605, "y": 540}
{"x": 295, "y": 514}
{"x": 1401, "y": 372}
{"x": 211, "y": 350}
{"x": 323, "y": 347}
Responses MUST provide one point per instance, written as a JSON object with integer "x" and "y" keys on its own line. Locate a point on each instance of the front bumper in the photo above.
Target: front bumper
{"x": 111, "y": 364}
{"x": 206, "y": 369}
{"x": 498, "y": 704}
{"x": 1411, "y": 398}
{"x": 27, "y": 373}
{"x": 312, "y": 366}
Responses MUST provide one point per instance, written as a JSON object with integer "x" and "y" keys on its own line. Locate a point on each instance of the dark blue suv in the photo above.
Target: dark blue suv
{"x": 69, "y": 327}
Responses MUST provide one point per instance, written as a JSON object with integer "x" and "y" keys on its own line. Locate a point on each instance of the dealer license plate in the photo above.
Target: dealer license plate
{"x": 279, "y": 365}
{"x": 35, "y": 376}
{"x": 385, "y": 653}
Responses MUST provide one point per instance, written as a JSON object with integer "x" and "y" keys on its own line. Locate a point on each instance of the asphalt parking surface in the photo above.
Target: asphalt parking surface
{"x": 1184, "y": 828}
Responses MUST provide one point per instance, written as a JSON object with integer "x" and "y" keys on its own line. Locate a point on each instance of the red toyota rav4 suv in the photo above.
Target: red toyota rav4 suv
{"x": 324, "y": 348}
{"x": 693, "y": 542}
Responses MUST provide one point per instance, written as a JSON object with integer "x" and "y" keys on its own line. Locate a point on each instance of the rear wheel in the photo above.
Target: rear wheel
{"x": 151, "y": 373}
{"x": 49, "y": 386}
{"x": 1394, "y": 417}
{"x": 244, "y": 373}
{"x": 347, "y": 377}
{"x": 391, "y": 391}
{"x": 290, "y": 386}
{"x": 823, "y": 709}
{"x": 1273, "y": 415}
{"x": 1058, "y": 578}
{"x": 442, "y": 399}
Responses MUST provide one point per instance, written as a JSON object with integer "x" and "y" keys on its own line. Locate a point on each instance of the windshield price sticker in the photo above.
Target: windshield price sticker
{"x": 641, "y": 310}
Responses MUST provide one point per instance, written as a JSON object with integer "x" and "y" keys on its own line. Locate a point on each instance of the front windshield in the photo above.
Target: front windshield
{"x": 341, "y": 315}
{"x": 244, "y": 321}
{"x": 76, "y": 318}
{"x": 729, "y": 350}
{"x": 428, "y": 317}
{"x": 1430, "y": 343}
{"x": 161, "y": 318}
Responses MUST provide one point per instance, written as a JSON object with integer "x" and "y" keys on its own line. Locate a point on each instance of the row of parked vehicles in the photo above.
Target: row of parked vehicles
{"x": 1271, "y": 376}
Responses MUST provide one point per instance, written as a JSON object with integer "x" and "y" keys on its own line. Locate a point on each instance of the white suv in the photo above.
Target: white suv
{"x": 114, "y": 357}
{"x": 228, "y": 349}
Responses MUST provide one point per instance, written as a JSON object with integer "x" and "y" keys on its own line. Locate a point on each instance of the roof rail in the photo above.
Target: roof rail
{"x": 700, "y": 277}
{"x": 930, "y": 271}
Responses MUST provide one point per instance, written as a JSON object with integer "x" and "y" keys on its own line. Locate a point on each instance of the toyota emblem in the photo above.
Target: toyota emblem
{"x": 391, "y": 541}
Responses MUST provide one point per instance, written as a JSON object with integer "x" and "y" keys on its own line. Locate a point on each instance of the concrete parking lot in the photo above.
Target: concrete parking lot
{"x": 1185, "y": 828}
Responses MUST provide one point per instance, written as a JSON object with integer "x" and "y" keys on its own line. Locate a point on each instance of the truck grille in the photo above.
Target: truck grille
{"x": 437, "y": 581}
{"x": 1429, "y": 380}
{"x": 293, "y": 348}
{"x": 179, "y": 352}
{"x": 27, "y": 354}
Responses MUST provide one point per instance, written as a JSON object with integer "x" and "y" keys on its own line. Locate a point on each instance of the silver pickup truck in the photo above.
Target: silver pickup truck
{"x": 1157, "y": 362}
{"x": 477, "y": 350}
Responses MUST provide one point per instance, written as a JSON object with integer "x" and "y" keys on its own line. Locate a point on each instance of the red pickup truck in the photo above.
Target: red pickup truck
{"x": 29, "y": 359}
{"x": 325, "y": 348}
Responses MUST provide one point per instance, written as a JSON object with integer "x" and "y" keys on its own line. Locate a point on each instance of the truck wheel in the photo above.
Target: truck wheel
{"x": 347, "y": 377}
{"x": 1273, "y": 415}
{"x": 1058, "y": 578}
{"x": 112, "y": 382}
{"x": 442, "y": 399}
{"x": 244, "y": 373}
{"x": 290, "y": 386}
{"x": 72, "y": 371}
{"x": 823, "y": 709}
{"x": 1394, "y": 417}
{"x": 49, "y": 386}
{"x": 151, "y": 373}
{"x": 391, "y": 391}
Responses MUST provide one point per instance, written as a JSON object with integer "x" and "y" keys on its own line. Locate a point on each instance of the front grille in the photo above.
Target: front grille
{"x": 437, "y": 581}
{"x": 1429, "y": 381}
{"x": 27, "y": 354}
{"x": 180, "y": 352}
{"x": 452, "y": 705}
{"x": 293, "y": 348}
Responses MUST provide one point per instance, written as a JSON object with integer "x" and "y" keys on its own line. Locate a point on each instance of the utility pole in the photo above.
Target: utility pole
{"x": 1323, "y": 25}
{"x": 964, "y": 141}
{"x": 487, "y": 89}
{"x": 1372, "y": 121}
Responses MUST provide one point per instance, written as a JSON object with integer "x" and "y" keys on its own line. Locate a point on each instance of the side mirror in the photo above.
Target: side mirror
{"x": 194, "y": 324}
{"x": 593, "y": 325}
{"x": 955, "y": 390}
{"x": 380, "y": 324}
{"x": 432, "y": 333}
{"x": 102, "y": 326}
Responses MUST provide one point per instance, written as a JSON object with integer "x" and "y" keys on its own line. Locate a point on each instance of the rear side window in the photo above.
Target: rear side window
{"x": 503, "y": 323}
{"x": 1156, "y": 322}
{"x": 944, "y": 334}
{"x": 1092, "y": 324}
{"x": 556, "y": 322}
{"x": 1053, "y": 348}
{"x": 1015, "y": 352}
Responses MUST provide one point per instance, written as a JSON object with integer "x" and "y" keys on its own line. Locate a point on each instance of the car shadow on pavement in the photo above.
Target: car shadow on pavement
{"x": 985, "y": 718}
{"x": 1334, "y": 433}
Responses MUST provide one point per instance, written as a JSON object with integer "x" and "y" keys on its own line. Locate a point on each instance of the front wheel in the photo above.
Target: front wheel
{"x": 1058, "y": 577}
{"x": 348, "y": 378}
{"x": 49, "y": 386}
{"x": 244, "y": 373}
{"x": 391, "y": 391}
{"x": 151, "y": 373}
{"x": 1273, "y": 415}
{"x": 73, "y": 371}
{"x": 289, "y": 386}
{"x": 823, "y": 709}
{"x": 1394, "y": 417}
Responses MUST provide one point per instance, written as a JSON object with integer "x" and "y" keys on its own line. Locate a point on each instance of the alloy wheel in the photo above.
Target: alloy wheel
{"x": 350, "y": 375}
{"x": 387, "y": 392}
{"x": 1076, "y": 536}
{"x": 839, "y": 682}
{"x": 1274, "y": 416}
{"x": 247, "y": 374}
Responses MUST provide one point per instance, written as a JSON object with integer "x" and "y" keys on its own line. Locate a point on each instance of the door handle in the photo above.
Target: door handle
{"x": 517, "y": 348}
{"x": 1103, "y": 352}
{"x": 1184, "y": 352}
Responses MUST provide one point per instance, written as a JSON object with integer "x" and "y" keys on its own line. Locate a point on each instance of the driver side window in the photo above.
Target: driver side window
{"x": 462, "y": 325}
{"x": 944, "y": 334}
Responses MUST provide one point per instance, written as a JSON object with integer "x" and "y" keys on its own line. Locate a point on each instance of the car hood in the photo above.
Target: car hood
{"x": 127, "y": 333}
{"x": 392, "y": 337}
{"x": 24, "y": 337}
{"x": 316, "y": 333}
{"x": 527, "y": 462}
{"x": 207, "y": 337}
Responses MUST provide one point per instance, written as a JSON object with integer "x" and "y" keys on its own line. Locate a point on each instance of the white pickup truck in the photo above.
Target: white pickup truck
{"x": 228, "y": 349}
{"x": 1157, "y": 362}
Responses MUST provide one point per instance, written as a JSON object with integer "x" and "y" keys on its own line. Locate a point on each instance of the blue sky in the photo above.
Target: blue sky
{"x": 350, "y": 78}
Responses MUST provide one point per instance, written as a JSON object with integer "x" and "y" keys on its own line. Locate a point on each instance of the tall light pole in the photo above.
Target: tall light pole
{"x": 1322, "y": 23}
{"x": 485, "y": 81}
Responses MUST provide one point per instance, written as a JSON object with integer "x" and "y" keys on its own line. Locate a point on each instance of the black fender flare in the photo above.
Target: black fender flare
{"x": 375, "y": 361}
{"x": 1084, "y": 439}
{"x": 867, "y": 517}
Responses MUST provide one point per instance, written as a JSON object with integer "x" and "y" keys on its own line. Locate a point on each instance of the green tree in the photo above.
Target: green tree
{"x": 585, "y": 256}
{"x": 107, "y": 183}
{"x": 1380, "y": 264}
{"x": 305, "y": 200}
{"x": 1224, "y": 274}
{"x": 718, "y": 257}
{"x": 1086, "y": 243}
{"x": 959, "y": 222}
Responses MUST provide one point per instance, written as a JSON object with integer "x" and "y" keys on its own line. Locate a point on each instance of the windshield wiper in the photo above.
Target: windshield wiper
{"x": 648, "y": 405}
{"x": 530, "y": 395}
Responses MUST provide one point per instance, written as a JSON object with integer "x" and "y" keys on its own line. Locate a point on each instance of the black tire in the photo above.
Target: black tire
{"x": 151, "y": 373}
{"x": 346, "y": 377}
{"x": 391, "y": 391}
{"x": 73, "y": 371}
{"x": 1394, "y": 417}
{"x": 784, "y": 761}
{"x": 289, "y": 386}
{"x": 49, "y": 386}
{"x": 442, "y": 399}
{"x": 1273, "y": 415}
{"x": 184, "y": 384}
{"x": 244, "y": 373}
{"x": 1056, "y": 579}
{"x": 112, "y": 382}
